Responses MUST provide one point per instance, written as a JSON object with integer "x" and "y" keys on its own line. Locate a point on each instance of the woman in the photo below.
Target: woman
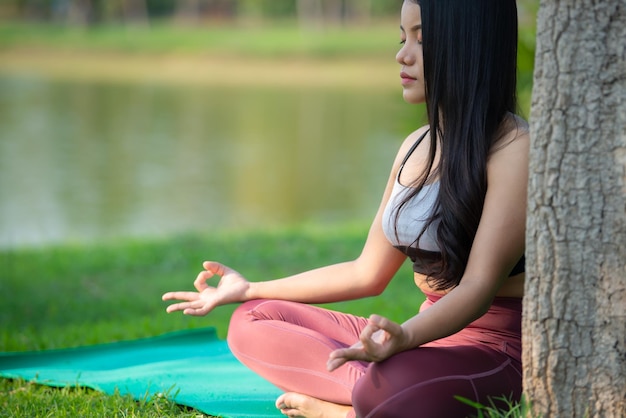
{"x": 455, "y": 203}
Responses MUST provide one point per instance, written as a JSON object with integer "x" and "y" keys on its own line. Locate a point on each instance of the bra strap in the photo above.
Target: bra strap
{"x": 411, "y": 150}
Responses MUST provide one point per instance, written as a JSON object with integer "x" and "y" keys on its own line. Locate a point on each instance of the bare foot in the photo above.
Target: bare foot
{"x": 297, "y": 405}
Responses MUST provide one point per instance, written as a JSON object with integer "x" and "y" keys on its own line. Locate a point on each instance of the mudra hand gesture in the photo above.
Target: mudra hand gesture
{"x": 380, "y": 339}
{"x": 231, "y": 288}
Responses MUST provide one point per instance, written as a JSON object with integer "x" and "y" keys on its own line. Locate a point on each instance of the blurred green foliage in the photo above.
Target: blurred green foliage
{"x": 284, "y": 39}
{"x": 99, "y": 11}
{"x": 94, "y": 12}
{"x": 281, "y": 38}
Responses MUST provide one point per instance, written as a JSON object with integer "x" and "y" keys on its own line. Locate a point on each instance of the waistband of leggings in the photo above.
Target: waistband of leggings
{"x": 504, "y": 314}
{"x": 514, "y": 304}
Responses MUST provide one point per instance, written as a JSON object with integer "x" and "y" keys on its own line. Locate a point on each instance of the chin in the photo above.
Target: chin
{"x": 413, "y": 99}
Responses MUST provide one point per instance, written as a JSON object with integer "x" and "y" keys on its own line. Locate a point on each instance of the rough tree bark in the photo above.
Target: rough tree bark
{"x": 574, "y": 326}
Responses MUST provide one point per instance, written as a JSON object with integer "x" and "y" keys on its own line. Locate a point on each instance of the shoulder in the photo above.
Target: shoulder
{"x": 513, "y": 129}
{"x": 410, "y": 141}
{"x": 508, "y": 158}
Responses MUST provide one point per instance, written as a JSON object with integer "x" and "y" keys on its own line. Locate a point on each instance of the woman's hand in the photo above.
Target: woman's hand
{"x": 231, "y": 288}
{"x": 380, "y": 339}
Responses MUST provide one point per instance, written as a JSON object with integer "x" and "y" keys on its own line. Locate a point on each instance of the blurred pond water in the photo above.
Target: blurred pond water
{"x": 90, "y": 161}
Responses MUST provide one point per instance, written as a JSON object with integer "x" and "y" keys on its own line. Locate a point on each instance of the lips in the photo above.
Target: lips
{"x": 407, "y": 79}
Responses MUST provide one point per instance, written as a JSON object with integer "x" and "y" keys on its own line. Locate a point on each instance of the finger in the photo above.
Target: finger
{"x": 335, "y": 363}
{"x": 199, "y": 308}
{"x": 189, "y": 296}
{"x": 341, "y": 356}
{"x": 215, "y": 267}
{"x": 356, "y": 347}
{"x": 366, "y": 336}
{"x": 381, "y": 322}
{"x": 200, "y": 282}
{"x": 178, "y": 307}
{"x": 198, "y": 311}
{"x": 374, "y": 340}
{"x": 188, "y": 308}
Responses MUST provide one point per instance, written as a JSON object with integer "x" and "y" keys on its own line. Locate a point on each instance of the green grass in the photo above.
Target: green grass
{"x": 501, "y": 407}
{"x": 25, "y": 399}
{"x": 75, "y": 295}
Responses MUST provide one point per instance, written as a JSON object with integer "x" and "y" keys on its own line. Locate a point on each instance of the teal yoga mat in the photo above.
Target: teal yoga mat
{"x": 193, "y": 367}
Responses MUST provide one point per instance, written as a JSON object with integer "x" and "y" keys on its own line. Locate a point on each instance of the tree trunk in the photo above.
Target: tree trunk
{"x": 574, "y": 326}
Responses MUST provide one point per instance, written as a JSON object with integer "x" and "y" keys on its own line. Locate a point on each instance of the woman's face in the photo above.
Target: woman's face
{"x": 410, "y": 55}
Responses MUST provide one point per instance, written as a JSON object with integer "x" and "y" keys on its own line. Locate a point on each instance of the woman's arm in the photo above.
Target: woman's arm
{"x": 367, "y": 275}
{"x": 498, "y": 245}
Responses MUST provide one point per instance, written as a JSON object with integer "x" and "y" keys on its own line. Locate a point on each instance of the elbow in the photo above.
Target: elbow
{"x": 366, "y": 290}
{"x": 372, "y": 279}
{"x": 373, "y": 291}
{"x": 479, "y": 300}
{"x": 483, "y": 309}
{"x": 379, "y": 287}
{"x": 374, "y": 285}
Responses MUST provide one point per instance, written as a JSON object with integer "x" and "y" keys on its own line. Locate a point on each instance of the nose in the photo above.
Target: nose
{"x": 404, "y": 56}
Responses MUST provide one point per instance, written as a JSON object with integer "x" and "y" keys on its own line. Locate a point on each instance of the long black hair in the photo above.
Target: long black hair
{"x": 470, "y": 67}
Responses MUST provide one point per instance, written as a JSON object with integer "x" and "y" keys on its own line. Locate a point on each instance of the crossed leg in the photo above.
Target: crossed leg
{"x": 289, "y": 343}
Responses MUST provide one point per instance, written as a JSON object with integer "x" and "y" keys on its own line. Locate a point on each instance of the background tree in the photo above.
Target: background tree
{"x": 308, "y": 13}
{"x": 80, "y": 12}
{"x": 135, "y": 11}
{"x": 574, "y": 310}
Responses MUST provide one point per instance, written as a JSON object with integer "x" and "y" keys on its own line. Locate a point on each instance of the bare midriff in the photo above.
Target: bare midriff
{"x": 513, "y": 287}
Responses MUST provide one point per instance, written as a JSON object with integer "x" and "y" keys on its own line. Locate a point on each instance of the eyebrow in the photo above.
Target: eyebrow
{"x": 412, "y": 29}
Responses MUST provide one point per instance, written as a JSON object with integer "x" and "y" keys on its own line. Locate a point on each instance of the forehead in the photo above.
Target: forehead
{"x": 410, "y": 16}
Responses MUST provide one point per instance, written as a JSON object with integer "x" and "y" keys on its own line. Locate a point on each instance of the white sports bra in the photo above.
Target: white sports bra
{"x": 413, "y": 215}
{"x": 412, "y": 218}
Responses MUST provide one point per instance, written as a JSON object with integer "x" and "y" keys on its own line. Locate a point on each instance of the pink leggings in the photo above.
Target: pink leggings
{"x": 288, "y": 343}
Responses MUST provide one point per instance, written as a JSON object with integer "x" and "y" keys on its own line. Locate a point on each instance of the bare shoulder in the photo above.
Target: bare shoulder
{"x": 408, "y": 143}
{"x": 508, "y": 159}
{"x": 413, "y": 137}
{"x": 514, "y": 129}
{"x": 510, "y": 150}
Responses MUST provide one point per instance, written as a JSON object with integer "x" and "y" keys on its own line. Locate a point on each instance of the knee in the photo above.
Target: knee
{"x": 390, "y": 389}
{"x": 362, "y": 402}
{"x": 371, "y": 393}
{"x": 238, "y": 327}
{"x": 383, "y": 393}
